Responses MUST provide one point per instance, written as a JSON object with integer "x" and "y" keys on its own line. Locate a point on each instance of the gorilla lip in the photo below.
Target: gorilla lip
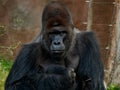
{"x": 57, "y": 51}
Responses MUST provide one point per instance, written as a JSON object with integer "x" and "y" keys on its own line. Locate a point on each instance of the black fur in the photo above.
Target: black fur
{"x": 36, "y": 69}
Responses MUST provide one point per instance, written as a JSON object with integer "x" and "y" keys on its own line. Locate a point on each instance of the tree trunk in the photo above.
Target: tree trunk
{"x": 90, "y": 16}
{"x": 115, "y": 50}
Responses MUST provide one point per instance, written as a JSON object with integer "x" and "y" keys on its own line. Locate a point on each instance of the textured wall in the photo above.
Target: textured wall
{"x": 20, "y": 22}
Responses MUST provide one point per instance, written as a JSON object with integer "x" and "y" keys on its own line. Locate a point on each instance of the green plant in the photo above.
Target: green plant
{"x": 2, "y": 30}
{"x": 113, "y": 87}
{"x": 5, "y": 66}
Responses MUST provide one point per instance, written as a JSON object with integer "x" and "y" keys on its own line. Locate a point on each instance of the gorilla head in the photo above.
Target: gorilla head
{"x": 57, "y": 29}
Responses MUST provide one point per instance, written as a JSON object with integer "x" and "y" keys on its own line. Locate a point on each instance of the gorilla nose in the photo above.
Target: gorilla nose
{"x": 56, "y": 43}
{"x": 57, "y": 46}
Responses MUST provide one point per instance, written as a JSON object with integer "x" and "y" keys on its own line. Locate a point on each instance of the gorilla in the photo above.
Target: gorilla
{"x": 60, "y": 58}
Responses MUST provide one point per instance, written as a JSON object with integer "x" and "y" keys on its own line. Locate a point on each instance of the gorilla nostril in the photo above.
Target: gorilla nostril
{"x": 56, "y": 43}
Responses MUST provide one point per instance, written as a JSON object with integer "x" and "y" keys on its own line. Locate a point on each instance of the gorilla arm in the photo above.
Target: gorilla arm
{"x": 24, "y": 74}
{"x": 20, "y": 70}
{"x": 90, "y": 68}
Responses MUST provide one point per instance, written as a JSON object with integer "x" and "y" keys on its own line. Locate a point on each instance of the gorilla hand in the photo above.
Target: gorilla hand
{"x": 65, "y": 76}
{"x": 72, "y": 74}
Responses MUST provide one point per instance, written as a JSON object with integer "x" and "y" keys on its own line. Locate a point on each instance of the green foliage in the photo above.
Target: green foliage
{"x": 113, "y": 87}
{"x": 2, "y": 30}
{"x": 8, "y": 51}
{"x": 5, "y": 66}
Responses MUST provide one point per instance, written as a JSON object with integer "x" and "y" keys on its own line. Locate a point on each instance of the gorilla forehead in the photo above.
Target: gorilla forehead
{"x": 56, "y": 10}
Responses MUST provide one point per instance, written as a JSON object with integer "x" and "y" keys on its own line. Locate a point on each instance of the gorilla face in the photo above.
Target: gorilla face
{"x": 58, "y": 40}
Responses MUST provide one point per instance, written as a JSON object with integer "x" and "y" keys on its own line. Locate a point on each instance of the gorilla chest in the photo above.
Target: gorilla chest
{"x": 69, "y": 62}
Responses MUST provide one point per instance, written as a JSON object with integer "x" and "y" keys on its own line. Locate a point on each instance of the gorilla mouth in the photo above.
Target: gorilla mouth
{"x": 57, "y": 51}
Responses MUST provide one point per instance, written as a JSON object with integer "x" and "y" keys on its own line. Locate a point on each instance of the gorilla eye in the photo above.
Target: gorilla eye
{"x": 64, "y": 32}
{"x": 51, "y": 35}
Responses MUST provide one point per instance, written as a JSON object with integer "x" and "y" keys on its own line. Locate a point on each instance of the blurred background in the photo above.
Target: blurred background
{"x": 20, "y": 22}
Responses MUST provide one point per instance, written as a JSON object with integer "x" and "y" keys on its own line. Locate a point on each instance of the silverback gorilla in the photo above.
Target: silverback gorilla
{"x": 60, "y": 58}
